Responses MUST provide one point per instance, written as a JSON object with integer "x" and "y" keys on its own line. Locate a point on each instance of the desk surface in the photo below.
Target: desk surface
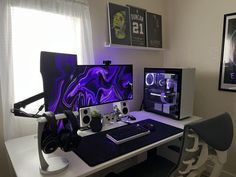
{"x": 24, "y": 157}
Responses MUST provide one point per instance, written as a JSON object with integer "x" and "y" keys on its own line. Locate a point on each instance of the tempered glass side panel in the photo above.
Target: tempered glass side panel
{"x": 162, "y": 91}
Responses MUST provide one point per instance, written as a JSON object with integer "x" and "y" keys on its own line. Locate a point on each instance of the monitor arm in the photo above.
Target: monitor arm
{"x": 22, "y": 104}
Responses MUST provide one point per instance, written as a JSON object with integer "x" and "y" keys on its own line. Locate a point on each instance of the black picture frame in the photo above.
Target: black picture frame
{"x": 119, "y": 24}
{"x": 137, "y": 26}
{"x": 154, "y": 30}
{"x": 227, "y": 76}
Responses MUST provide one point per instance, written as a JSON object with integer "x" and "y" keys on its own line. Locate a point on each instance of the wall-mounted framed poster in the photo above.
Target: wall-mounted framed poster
{"x": 154, "y": 30}
{"x": 119, "y": 24}
{"x": 227, "y": 79}
{"x": 137, "y": 26}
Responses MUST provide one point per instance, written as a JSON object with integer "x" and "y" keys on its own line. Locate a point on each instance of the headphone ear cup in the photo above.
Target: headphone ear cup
{"x": 75, "y": 139}
{"x": 49, "y": 144}
{"x": 68, "y": 140}
{"x": 64, "y": 138}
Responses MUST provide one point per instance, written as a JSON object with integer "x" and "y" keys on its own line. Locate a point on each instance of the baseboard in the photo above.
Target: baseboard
{"x": 223, "y": 172}
{"x": 227, "y": 174}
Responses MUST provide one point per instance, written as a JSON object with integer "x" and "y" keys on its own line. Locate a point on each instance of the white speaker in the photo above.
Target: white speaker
{"x": 85, "y": 116}
{"x": 122, "y": 106}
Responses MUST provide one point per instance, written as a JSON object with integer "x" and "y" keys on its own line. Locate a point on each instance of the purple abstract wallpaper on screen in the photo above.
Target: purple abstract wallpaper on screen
{"x": 70, "y": 86}
{"x": 55, "y": 68}
{"x": 94, "y": 85}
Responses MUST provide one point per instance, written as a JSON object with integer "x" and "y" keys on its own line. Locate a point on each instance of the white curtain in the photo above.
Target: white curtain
{"x": 6, "y": 73}
{"x": 75, "y": 10}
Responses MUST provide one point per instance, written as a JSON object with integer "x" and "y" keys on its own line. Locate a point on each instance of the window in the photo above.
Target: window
{"x": 34, "y": 31}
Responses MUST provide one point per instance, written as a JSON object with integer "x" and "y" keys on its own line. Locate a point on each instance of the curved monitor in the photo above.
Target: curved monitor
{"x": 71, "y": 86}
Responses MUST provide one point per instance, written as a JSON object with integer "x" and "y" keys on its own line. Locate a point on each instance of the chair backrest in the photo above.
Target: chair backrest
{"x": 203, "y": 141}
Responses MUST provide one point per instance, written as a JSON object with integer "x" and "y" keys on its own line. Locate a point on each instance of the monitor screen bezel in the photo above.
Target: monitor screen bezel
{"x": 108, "y": 66}
{"x": 96, "y": 65}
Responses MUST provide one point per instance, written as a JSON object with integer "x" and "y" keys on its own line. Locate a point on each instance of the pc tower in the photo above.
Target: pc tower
{"x": 169, "y": 91}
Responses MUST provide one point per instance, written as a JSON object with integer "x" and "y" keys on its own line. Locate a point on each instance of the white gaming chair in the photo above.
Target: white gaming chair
{"x": 205, "y": 142}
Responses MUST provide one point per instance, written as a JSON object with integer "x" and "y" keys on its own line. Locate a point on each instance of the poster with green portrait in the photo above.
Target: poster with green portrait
{"x": 119, "y": 24}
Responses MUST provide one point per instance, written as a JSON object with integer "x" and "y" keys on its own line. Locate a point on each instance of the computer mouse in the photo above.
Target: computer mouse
{"x": 131, "y": 117}
{"x": 149, "y": 126}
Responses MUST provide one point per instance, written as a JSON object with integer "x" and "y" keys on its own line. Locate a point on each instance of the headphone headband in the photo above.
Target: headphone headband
{"x": 71, "y": 117}
{"x": 50, "y": 116}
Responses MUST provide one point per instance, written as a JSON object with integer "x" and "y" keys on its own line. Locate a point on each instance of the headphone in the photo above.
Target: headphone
{"x": 69, "y": 140}
{"x": 49, "y": 142}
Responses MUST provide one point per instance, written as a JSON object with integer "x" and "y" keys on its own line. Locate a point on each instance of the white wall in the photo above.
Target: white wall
{"x": 194, "y": 39}
{"x": 138, "y": 58}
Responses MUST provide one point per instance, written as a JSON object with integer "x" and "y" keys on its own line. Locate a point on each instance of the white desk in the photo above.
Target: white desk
{"x": 24, "y": 157}
{"x": 141, "y": 115}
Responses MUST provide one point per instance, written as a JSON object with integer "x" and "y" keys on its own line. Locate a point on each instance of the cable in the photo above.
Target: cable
{"x": 40, "y": 109}
{"x": 21, "y": 113}
{"x": 141, "y": 106}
